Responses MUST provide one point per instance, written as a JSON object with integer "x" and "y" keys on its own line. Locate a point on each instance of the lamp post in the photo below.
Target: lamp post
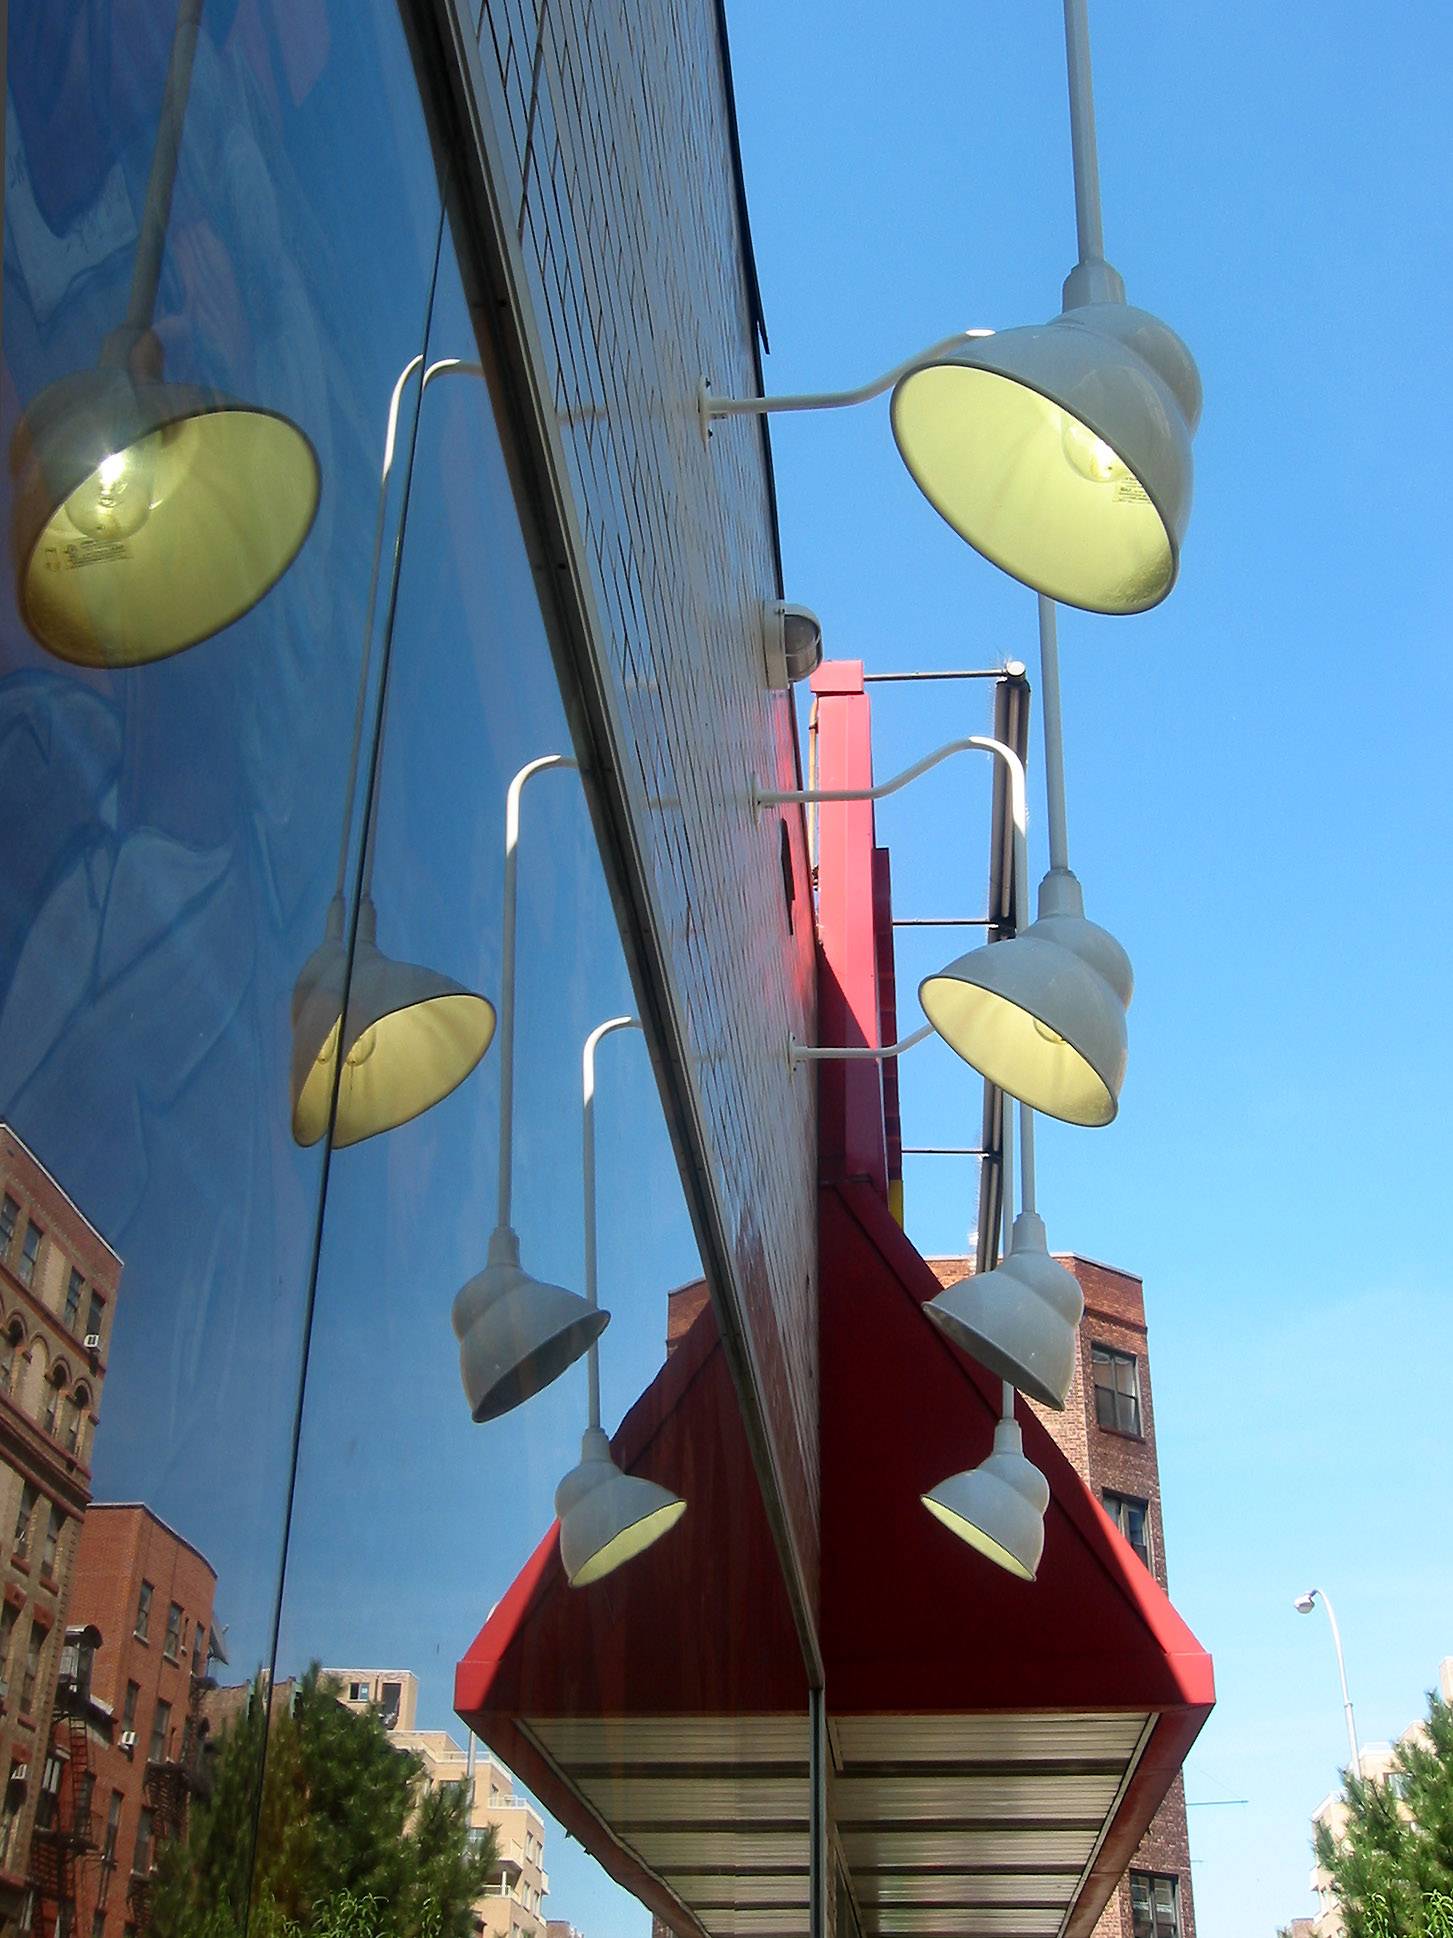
{"x": 1303, "y": 1605}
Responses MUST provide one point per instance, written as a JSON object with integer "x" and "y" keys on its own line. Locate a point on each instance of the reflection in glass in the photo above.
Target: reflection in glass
{"x": 605, "y": 1516}
{"x": 516, "y": 1334}
{"x": 149, "y": 515}
{"x": 411, "y": 1035}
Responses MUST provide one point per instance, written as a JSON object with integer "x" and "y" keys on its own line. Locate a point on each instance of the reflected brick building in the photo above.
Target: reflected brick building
{"x": 148, "y": 1593}
{"x": 58, "y": 1282}
{"x": 1107, "y": 1432}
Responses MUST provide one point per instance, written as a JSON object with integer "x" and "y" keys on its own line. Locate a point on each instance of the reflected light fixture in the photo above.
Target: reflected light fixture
{"x": 411, "y": 1035}
{"x": 998, "y": 1507}
{"x": 606, "y": 1517}
{"x": 1037, "y": 1013}
{"x": 516, "y": 1333}
{"x": 148, "y": 515}
{"x": 1021, "y": 1319}
{"x": 1061, "y": 451}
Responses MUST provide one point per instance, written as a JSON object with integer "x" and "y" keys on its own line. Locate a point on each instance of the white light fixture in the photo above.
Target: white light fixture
{"x": 1061, "y": 451}
{"x": 791, "y": 643}
{"x": 606, "y": 1517}
{"x": 1021, "y": 1319}
{"x": 515, "y": 1333}
{"x": 1055, "y": 1040}
{"x": 411, "y": 1035}
{"x": 1035, "y": 1014}
{"x": 148, "y": 515}
{"x": 998, "y": 1507}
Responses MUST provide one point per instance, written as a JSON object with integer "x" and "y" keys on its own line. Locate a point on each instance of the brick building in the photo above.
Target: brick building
{"x": 1107, "y": 1432}
{"x": 58, "y": 1282}
{"x": 149, "y": 1593}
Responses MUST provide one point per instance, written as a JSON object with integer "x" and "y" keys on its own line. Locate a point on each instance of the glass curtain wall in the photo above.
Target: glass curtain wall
{"x": 271, "y": 649}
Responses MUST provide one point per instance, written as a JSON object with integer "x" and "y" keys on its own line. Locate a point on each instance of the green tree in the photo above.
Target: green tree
{"x": 350, "y": 1840}
{"x": 1392, "y": 1868}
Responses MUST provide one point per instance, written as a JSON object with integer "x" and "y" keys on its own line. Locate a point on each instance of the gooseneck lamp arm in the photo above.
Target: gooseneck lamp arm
{"x": 1084, "y": 147}
{"x": 710, "y": 405}
{"x": 505, "y": 1027}
{"x": 975, "y": 743}
{"x": 1054, "y": 748}
{"x": 587, "y": 1173}
{"x": 446, "y": 366}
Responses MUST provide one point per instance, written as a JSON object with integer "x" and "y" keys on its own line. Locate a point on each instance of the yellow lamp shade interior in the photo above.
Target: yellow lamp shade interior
{"x": 1016, "y": 1051}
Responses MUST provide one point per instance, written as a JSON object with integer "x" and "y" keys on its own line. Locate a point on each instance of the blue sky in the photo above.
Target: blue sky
{"x": 1256, "y": 769}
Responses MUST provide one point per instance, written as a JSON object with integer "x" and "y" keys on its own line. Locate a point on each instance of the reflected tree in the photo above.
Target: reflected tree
{"x": 350, "y": 1840}
{"x": 1392, "y": 1867}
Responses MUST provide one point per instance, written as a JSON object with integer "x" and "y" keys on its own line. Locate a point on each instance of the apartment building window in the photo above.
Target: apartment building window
{"x": 75, "y": 1285}
{"x": 1117, "y": 1389}
{"x": 142, "y": 1860}
{"x": 94, "y": 1314}
{"x": 128, "y": 1709}
{"x": 143, "y": 1611}
{"x": 28, "y": 1681}
{"x": 8, "y": 1616}
{"x": 14, "y": 1803}
{"x": 171, "y": 1647}
{"x": 9, "y": 1212}
{"x": 199, "y": 1650}
{"x": 358, "y": 1692}
{"x": 50, "y": 1791}
{"x": 1132, "y": 1517}
{"x": 161, "y": 1722}
{"x": 9, "y": 1347}
{"x": 76, "y": 1404}
{"x": 29, "y": 1253}
{"x": 55, "y": 1521}
{"x": 29, "y": 1495}
{"x": 1154, "y": 1906}
{"x": 52, "y": 1401}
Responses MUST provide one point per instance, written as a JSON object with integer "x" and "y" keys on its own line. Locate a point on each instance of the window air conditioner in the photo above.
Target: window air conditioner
{"x": 128, "y": 1741}
{"x": 19, "y": 1772}
{"x": 93, "y": 1342}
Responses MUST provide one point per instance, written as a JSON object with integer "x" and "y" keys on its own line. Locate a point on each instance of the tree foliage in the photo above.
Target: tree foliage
{"x": 349, "y": 1839}
{"x": 1392, "y": 1867}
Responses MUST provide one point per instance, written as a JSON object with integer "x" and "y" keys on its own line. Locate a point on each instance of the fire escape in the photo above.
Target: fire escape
{"x": 63, "y": 1832}
{"x": 170, "y": 1782}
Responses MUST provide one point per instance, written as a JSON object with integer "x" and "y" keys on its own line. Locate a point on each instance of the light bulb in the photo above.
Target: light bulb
{"x": 1091, "y": 456}
{"x": 116, "y": 500}
{"x": 362, "y": 1047}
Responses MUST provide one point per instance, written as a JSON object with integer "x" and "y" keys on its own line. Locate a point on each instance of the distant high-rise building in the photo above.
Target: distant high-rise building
{"x": 58, "y": 1283}
{"x": 147, "y": 1593}
{"x": 1107, "y": 1432}
{"x": 511, "y": 1905}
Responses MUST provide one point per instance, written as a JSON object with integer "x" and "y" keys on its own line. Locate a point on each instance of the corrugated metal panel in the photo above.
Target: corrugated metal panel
{"x": 1009, "y": 1848}
{"x": 959, "y": 1887}
{"x": 625, "y": 1800}
{"x": 963, "y": 1924}
{"x": 577, "y": 1741}
{"x": 997, "y": 1739}
{"x": 705, "y": 1892}
{"x": 724, "y": 1849}
{"x": 1005, "y": 1794}
{"x": 755, "y": 1924}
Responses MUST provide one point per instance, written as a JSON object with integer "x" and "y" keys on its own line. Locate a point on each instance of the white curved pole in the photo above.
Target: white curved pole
{"x": 1321, "y": 1595}
{"x": 1084, "y": 148}
{"x": 505, "y": 1021}
{"x": 587, "y": 1172}
{"x": 712, "y": 406}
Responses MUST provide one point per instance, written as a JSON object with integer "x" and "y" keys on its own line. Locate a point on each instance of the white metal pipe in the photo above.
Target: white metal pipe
{"x": 505, "y": 1020}
{"x": 587, "y": 1173}
{"x": 1083, "y": 145}
{"x": 1054, "y": 746}
{"x": 1006, "y": 1178}
{"x": 1321, "y": 1595}
{"x": 713, "y": 406}
{"x": 812, "y": 1053}
{"x": 972, "y": 743}
{"x": 1026, "y": 1159}
{"x": 1006, "y": 1399}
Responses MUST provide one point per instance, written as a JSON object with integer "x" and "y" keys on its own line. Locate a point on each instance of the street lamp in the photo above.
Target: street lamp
{"x": 1303, "y": 1605}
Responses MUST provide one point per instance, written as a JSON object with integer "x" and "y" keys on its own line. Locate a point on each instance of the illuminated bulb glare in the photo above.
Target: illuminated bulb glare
{"x": 1091, "y": 456}
{"x": 362, "y": 1049}
{"x": 118, "y": 497}
{"x": 1046, "y": 1034}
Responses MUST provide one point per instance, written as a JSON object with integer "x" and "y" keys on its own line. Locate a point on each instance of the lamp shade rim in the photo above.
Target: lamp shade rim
{"x": 1061, "y": 595}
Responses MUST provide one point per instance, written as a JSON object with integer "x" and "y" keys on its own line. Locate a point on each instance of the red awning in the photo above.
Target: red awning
{"x": 998, "y": 1747}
